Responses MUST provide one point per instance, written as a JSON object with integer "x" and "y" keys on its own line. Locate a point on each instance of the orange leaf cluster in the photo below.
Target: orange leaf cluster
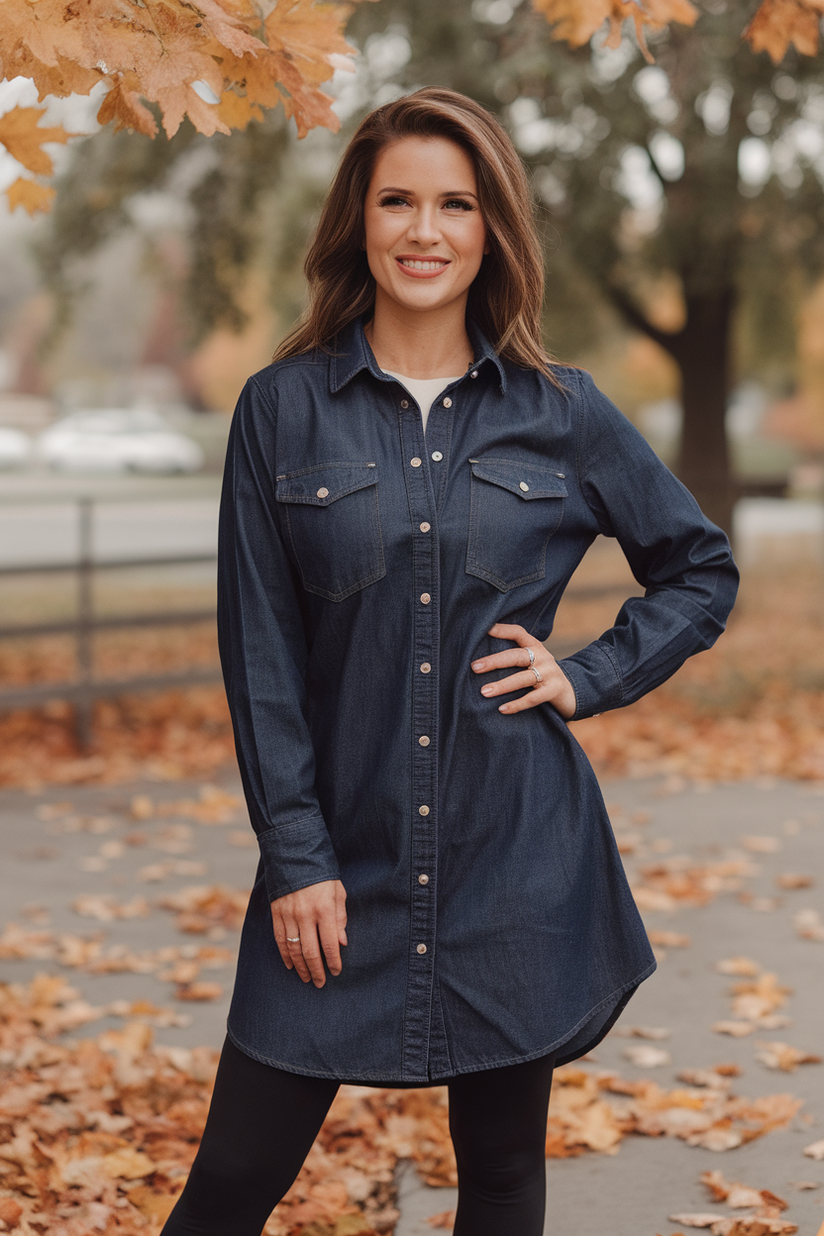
{"x": 780, "y": 24}
{"x": 21, "y": 134}
{"x": 245, "y": 54}
{"x": 777, "y": 24}
{"x": 100, "y": 1133}
{"x": 576, "y": 21}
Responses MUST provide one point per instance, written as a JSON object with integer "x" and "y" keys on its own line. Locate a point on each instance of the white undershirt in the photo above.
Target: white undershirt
{"x": 423, "y": 390}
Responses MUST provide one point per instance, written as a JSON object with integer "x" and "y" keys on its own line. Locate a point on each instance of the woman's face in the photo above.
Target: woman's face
{"x": 425, "y": 237}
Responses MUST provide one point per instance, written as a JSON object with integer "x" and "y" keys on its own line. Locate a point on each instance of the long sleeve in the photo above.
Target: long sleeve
{"x": 682, "y": 560}
{"x": 263, "y": 653}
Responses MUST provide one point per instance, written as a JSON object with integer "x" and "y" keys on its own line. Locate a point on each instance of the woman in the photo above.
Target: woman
{"x": 408, "y": 490}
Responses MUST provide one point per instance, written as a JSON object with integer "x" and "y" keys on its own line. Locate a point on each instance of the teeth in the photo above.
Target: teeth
{"x": 418, "y": 264}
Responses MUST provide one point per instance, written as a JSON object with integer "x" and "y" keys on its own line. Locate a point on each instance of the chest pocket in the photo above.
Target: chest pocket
{"x": 514, "y": 509}
{"x": 331, "y": 519}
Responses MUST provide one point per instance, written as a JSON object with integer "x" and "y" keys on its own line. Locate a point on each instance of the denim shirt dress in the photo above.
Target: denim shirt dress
{"x": 361, "y": 567}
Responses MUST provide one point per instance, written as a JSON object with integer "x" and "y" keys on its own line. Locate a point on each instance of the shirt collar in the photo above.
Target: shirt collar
{"x": 351, "y": 353}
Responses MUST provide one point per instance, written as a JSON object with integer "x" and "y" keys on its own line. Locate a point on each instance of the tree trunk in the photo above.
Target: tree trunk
{"x": 702, "y": 353}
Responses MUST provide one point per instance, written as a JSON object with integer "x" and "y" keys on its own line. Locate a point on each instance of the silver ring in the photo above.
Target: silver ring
{"x": 538, "y": 677}
{"x": 531, "y": 656}
{"x": 293, "y": 939}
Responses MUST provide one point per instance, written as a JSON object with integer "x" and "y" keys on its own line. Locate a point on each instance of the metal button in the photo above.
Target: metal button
{"x": 415, "y": 462}
{"x": 447, "y": 403}
{"x": 425, "y": 526}
{"x": 437, "y": 456}
{"x": 323, "y": 492}
{"x": 424, "y": 740}
{"x": 404, "y": 403}
{"x": 424, "y": 810}
{"x": 523, "y": 485}
{"x": 421, "y": 948}
{"x": 474, "y": 373}
{"x": 423, "y": 878}
{"x": 562, "y": 475}
{"x": 425, "y": 598}
{"x": 426, "y": 668}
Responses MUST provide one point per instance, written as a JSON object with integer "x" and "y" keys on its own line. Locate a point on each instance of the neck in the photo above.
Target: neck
{"x": 420, "y": 345}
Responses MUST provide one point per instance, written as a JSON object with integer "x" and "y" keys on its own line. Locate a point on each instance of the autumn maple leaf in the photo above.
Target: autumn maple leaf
{"x": 779, "y": 23}
{"x": 21, "y": 134}
{"x": 172, "y": 53}
{"x": 575, "y": 21}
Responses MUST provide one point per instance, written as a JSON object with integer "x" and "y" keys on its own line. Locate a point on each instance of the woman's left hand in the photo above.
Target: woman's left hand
{"x": 539, "y": 670}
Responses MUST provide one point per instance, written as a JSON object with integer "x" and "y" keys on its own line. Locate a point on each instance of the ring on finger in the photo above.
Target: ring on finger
{"x": 538, "y": 677}
{"x": 293, "y": 939}
{"x": 529, "y": 652}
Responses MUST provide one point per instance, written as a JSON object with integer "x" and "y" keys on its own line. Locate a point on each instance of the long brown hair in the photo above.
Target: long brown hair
{"x": 506, "y": 296}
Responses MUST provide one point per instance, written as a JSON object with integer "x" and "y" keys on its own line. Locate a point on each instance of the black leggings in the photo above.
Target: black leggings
{"x": 263, "y": 1121}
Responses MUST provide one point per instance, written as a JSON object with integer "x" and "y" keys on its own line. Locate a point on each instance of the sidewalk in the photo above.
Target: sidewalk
{"x": 128, "y": 843}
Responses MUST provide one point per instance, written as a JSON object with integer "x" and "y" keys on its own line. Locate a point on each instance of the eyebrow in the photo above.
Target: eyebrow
{"x": 409, "y": 193}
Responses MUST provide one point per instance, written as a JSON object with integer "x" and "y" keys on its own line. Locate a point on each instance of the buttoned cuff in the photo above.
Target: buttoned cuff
{"x": 297, "y": 855}
{"x": 595, "y": 680}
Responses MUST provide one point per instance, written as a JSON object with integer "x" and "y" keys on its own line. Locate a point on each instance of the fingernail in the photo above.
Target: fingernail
{"x": 486, "y": 690}
{"x": 504, "y": 708}
{"x": 478, "y": 665}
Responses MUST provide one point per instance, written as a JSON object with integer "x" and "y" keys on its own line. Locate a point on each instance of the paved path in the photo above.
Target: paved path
{"x": 93, "y": 844}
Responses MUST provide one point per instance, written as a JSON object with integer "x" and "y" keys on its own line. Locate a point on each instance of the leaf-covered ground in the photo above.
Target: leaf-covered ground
{"x": 98, "y": 1135}
{"x": 751, "y": 706}
{"x": 97, "y": 1132}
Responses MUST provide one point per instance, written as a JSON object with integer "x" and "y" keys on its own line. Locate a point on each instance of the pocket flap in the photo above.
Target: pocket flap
{"x": 527, "y": 480}
{"x": 325, "y": 483}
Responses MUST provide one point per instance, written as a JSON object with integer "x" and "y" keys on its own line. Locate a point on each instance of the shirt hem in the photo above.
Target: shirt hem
{"x": 404, "y": 1083}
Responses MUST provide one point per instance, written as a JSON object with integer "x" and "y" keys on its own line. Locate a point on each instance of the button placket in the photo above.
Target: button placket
{"x": 423, "y": 799}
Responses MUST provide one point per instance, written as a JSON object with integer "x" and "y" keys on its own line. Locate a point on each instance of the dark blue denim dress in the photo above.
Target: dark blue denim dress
{"x": 361, "y": 566}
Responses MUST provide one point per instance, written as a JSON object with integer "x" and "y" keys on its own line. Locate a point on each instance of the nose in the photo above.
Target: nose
{"x": 423, "y": 226}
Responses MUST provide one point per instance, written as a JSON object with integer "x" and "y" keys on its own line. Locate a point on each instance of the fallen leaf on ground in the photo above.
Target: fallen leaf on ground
{"x": 201, "y": 906}
{"x": 718, "y": 1078}
{"x": 739, "y": 1196}
{"x": 815, "y": 1150}
{"x": 761, "y": 845}
{"x": 792, "y": 879}
{"x": 809, "y": 925}
{"x": 106, "y": 908}
{"x": 155, "y": 872}
{"x": 446, "y": 1219}
{"x": 704, "y": 1219}
{"x": 737, "y": 1029}
{"x": 784, "y": 1057}
{"x": 669, "y": 939}
{"x": 642, "y": 1032}
{"x": 755, "y": 1000}
{"x": 679, "y": 881}
{"x": 199, "y": 991}
{"x": 646, "y": 1057}
{"x": 743, "y": 967}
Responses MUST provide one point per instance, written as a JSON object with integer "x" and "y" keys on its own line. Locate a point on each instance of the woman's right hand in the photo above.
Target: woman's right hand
{"x": 310, "y": 925}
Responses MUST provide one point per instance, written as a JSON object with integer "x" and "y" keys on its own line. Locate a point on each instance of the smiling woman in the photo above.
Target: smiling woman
{"x": 408, "y": 490}
{"x": 425, "y": 241}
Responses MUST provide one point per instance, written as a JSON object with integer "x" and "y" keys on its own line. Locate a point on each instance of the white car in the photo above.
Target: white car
{"x": 15, "y": 448}
{"x": 117, "y": 440}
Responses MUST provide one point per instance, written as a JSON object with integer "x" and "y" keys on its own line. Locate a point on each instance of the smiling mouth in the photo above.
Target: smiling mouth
{"x": 425, "y": 264}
